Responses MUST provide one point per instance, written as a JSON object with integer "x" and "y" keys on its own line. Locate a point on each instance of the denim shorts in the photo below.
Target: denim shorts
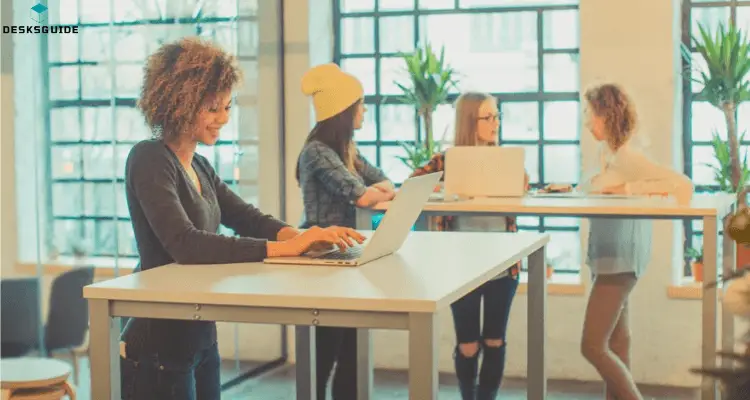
{"x": 155, "y": 377}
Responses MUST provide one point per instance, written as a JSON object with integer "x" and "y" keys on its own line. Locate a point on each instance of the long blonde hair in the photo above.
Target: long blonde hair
{"x": 467, "y": 117}
{"x": 610, "y": 102}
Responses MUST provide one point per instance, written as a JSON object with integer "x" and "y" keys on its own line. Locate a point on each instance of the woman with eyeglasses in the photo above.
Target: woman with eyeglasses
{"x": 476, "y": 124}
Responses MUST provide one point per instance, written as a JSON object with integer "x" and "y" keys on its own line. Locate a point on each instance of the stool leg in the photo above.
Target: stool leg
{"x": 70, "y": 390}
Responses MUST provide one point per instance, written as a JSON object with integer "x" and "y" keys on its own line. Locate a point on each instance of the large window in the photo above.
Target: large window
{"x": 92, "y": 82}
{"x": 701, "y": 119}
{"x": 523, "y": 52}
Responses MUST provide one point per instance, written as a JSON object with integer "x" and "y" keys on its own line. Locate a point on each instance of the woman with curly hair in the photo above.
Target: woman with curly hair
{"x": 618, "y": 249}
{"x": 177, "y": 202}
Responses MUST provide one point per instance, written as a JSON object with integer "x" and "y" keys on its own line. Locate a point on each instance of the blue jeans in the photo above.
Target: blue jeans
{"x": 498, "y": 297}
{"x": 152, "y": 377}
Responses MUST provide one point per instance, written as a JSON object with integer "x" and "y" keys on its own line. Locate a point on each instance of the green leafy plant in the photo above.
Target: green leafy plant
{"x": 724, "y": 81}
{"x": 694, "y": 254}
{"x": 723, "y": 168}
{"x": 430, "y": 80}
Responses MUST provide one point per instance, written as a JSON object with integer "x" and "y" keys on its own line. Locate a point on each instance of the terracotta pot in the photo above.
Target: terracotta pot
{"x": 743, "y": 256}
{"x": 697, "y": 269}
{"x": 550, "y": 271}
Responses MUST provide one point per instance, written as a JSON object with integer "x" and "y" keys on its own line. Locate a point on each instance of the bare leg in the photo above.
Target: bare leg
{"x": 619, "y": 342}
{"x": 608, "y": 296}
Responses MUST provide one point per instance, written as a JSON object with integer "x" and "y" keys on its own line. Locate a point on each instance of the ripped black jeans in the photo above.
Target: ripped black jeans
{"x": 151, "y": 377}
{"x": 498, "y": 297}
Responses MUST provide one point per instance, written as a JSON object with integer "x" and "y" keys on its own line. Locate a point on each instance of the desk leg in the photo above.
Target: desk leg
{"x": 729, "y": 265}
{"x": 536, "y": 331}
{"x": 364, "y": 364}
{"x": 305, "y": 354}
{"x": 104, "y": 333}
{"x": 710, "y": 300}
{"x": 423, "y": 356}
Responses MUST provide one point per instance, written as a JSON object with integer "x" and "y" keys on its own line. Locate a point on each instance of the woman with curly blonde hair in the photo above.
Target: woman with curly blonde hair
{"x": 177, "y": 202}
{"x": 619, "y": 249}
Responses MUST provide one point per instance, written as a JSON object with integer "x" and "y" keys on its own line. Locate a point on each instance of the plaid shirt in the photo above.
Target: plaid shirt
{"x": 329, "y": 189}
{"x": 446, "y": 223}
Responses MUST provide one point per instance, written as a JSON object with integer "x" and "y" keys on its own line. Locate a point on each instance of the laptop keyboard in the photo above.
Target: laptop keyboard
{"x": 351, "y": 253}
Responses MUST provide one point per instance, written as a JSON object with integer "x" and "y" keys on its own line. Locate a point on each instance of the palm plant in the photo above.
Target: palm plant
{"x": 430, "y": 80}
{"x": 724, "y": 81}
{"x": 723, "y": 168}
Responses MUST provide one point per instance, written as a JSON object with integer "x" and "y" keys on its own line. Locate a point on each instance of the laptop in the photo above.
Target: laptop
{"x": 387, "y": 238}
{"x": 491, "y": 171}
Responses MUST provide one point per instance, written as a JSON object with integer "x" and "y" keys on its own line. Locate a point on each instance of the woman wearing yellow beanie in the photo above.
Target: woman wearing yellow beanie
{"x": 335, "y": 179}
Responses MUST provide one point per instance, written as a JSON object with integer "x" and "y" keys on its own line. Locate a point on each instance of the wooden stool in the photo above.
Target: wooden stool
{"x": 29, "y": 378}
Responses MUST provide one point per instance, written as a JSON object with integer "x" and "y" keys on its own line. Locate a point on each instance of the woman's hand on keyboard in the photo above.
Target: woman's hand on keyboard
{"x": 317, "y": 238}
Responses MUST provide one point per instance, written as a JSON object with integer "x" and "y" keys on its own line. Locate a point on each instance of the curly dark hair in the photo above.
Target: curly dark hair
{"x": 610, "y": 102}
{"x": 178, "y": 79}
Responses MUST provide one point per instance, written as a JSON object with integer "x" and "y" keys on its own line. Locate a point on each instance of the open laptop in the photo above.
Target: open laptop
{"x": 492, "y": 171}
{"x": 387, "y": 238}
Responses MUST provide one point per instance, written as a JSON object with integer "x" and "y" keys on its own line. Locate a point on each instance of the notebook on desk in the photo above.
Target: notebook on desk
{"x": 387, "y": 238}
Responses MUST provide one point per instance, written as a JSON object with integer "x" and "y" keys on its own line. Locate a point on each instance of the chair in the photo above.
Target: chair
{"x": 20, "y": 316}
{"x": 68, "y": 317}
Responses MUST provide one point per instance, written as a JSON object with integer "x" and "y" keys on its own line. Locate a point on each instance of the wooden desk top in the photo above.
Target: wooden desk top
{"x": 701, "y": 205}
{"x": 429, "y": 272}
{"x": 32, "y": 372}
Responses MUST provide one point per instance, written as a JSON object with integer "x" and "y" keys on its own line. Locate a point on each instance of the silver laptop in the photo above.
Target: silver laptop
{"x": 387, "y": 238}
{"x": 494, "y": 171}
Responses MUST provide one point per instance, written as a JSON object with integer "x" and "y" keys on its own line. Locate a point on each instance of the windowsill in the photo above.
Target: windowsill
{"x": 105, "y": 266}
{"x": 686, "y": 289}
{"x": 558, "y": 285}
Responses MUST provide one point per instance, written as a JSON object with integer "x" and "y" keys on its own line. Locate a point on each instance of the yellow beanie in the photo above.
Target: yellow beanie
{"x": 332, "y": 90}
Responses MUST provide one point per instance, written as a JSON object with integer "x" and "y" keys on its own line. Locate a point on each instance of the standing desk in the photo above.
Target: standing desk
{"x": 402, "y": 291}
{"x": 709, "y": 207}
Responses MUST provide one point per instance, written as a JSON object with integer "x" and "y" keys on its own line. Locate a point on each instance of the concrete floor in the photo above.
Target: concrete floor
{"x": 393, "y": 385}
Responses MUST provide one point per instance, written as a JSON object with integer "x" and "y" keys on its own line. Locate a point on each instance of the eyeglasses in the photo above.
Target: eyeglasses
{"x": 493, "y": 117}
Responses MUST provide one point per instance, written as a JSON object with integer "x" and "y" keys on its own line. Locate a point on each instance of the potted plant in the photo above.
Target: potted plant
{"x": 695, "y": 256}
{"x": 725, "y": 83}
{"x": 430, "y": 79}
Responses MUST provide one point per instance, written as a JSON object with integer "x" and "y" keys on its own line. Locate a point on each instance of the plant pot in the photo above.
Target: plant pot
{"x": 697, "y": 269}
{"x": 550, "y": 271}
{"x": 743, "y": 256}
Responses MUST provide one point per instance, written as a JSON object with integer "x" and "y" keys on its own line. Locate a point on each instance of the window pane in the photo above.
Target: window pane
{"x": 520, "y": 121}
{"x": 127, "y": 245}
{"x": 98, "y": 162}
{"x": 93, "y": 11}
{"x": 743, "y": 119}
{"x": 67, "y": 199}
{"x": 97, "y": 82}
{"x": 531, "y": 162}
{"x": 363, "y": 69}
{"x": 95, "y": 43}
{"x": 100, "y": 199}
{"x": 561, "y": 73}
{"x": 708, "y": 17}
{"x": 97, "y": 123}
{"x": 104, "y": 237}
{"x": 392, "y": 70}
{"x": 561, "y": 29}
{"x": 357, "y": 35}
{"x": 122, "y": 156}
{"x": 522, "y": 3}
{"x": 743, "y": 18}
{"x": 66, "y": 162}
{"x": 248, "y": 38}
{"x": 443, "y": 123}
{"x": 64, "y": 83}
{"x": 564, "y": 251}
{"x": 435, "y": 4}
{"x": 395, "y": 5}
{"x": 357, "y": 5}
{"x": 502, "y": 51}
{"x": 397, "y": 122}
{"x": 394, "y": 169}
{"x": 369, "y": 129}
{"x": 227, "y": 162}
{"x": 128, "y": 80}
{"x": 561, "y": 120}
{"x": 370, "y": 153}
{"x": 707, "y": 119}
{"x": 130, "y": 125}
{"x": 561, "y": 222}
{"x": 63, "y": 48}
{"x": 703, "y": 161}
{"x": 133, "y": 10}
{"x": 561, "y": 163}
{"x": 524, "y": 222}
{"x": 65, "y": 124}
{"x": 697, "y": 65}
{"x": 131, "y": 43}
{"x": 396, "y": 34}
{"x": 249, "y": 164}
{"x": 66, "y": 233}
